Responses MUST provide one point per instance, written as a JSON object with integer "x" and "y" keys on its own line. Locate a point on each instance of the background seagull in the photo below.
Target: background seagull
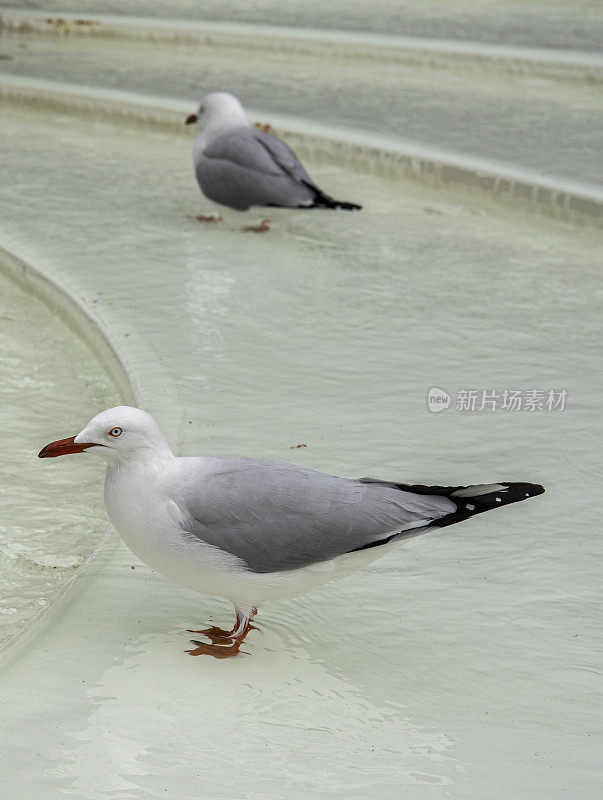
{"x": 250, "y": 529}
{"x": 240, "y": 166}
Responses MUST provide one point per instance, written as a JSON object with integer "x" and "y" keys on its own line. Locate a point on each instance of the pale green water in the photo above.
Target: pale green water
{"x": 49, "y": 381}
{"x": 463, "y": 665}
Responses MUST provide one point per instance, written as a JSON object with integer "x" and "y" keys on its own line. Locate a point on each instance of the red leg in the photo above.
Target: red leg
{"x": 217, "y": 635}
{"x": 225, "y": 644}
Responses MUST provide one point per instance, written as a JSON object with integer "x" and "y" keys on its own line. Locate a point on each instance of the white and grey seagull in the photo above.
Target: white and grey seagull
{"x": 239, "y": 166}
{"x": 251, "y": 530}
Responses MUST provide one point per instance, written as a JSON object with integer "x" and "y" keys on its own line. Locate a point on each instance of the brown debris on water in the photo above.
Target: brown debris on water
{"x": 63, "y": 25}
{"x": 205, "y": 217}
{"x": 261, "y": 228}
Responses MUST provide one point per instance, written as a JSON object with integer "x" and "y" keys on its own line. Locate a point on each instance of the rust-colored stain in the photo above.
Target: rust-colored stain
{"x": 59, "y": 23}
{"x": 205, "y": 217}
{"x": 263, "y": 126}
{"x": 64, "y": 25}
{"x": 297, "y": 446}
{"x": 261, "y": 228}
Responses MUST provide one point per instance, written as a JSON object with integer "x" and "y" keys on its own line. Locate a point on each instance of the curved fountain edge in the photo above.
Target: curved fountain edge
{"x": 553, "y": 197}
{"x": 59, "y": 299}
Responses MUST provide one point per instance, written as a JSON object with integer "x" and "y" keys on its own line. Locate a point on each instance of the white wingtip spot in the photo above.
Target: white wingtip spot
{"x": 470, "y": 507}
{"x": 498, "y": 500}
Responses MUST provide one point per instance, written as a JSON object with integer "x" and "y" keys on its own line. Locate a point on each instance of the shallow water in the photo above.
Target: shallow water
{"x": 48, "y": 381}
{"x": 462, "y": 665}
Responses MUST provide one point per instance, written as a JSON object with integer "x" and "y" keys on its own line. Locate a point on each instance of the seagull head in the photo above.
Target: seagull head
{"x": 117, "y": 434}
{"x": 218, "y": 110}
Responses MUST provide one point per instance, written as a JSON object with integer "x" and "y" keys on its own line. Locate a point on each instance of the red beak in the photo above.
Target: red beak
{"x": 191, "y": 119}
{"x": 63, "y": 447}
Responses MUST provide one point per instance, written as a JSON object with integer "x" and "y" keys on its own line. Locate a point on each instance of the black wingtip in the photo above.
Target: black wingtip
{"x": 322, "y": 200}
{"x": 505, "y": 493}
{"x": 516, "y": 490}
{"x": 343, "y": 206}
{"x": 335, "y": 205}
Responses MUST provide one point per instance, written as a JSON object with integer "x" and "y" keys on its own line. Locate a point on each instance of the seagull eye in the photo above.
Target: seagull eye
{"x": 115, "y": 432}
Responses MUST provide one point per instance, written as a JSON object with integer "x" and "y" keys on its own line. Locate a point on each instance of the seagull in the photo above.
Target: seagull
{"x": 250, "y": 529}
{"x": 240, "y": 166}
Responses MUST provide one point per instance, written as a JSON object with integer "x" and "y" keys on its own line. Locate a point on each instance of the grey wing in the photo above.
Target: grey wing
{"x": 277, "y": 516}
{"x": 237, "y": 169}
{"x": 284, "y": 156}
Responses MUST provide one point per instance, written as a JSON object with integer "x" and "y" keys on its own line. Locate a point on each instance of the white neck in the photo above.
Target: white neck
{"x": 135, "y": 487}
{"x": 147, "y": 462}
{"x": 223, "y": 120}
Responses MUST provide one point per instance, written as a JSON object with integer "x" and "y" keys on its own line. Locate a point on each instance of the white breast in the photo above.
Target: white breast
{"x": 149, "y": 522}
